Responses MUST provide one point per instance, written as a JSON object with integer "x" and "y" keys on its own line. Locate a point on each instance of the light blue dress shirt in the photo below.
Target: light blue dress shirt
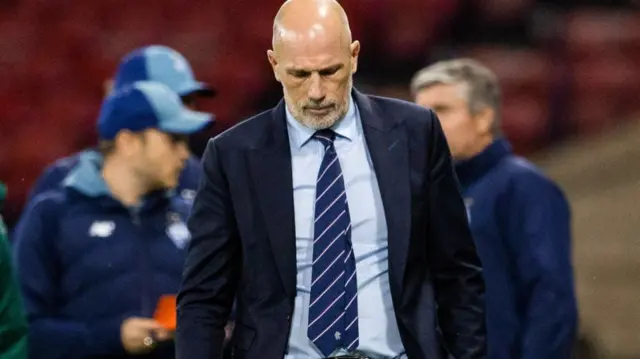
{"x": 379, "y": 336}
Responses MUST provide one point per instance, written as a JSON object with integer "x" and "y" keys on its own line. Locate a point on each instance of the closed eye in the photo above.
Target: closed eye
{"x": 327, "y": 71}
{"x": 299, "y": 73}
{"x": 330, "y": 71}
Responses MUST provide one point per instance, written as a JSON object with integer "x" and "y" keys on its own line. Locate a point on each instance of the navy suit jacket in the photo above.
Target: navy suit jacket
{"x": 243, "y": 239}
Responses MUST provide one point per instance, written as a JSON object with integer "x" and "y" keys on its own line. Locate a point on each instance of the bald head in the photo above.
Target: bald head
{"x": 314, "y": 59}
{"x": 311, "y": 21}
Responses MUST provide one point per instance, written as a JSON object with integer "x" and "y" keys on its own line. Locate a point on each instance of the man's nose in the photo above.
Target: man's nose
{"x": 316, "y": 91}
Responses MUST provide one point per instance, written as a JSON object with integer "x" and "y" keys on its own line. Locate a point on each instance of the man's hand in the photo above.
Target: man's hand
{"x": 139, "y": 335}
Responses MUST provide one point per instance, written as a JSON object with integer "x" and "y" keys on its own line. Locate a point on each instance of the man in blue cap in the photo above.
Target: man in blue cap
{"x": 152, "y": 63}
{"x": 95, "y": 255}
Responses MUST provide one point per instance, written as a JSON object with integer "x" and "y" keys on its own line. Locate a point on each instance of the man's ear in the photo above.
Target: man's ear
{"x": 127, "y": 142}
{"x": 271, "y": 56}
{"x": 355, "y": 52}
{"x": 484, "y": 120}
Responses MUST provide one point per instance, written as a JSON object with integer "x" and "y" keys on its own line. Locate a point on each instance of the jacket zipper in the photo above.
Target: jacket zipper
{"x": 146, "y": 307}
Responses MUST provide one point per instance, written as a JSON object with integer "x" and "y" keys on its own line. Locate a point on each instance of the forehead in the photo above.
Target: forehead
{"x": 312, "y": 52}
{"x": 439, "y": 94}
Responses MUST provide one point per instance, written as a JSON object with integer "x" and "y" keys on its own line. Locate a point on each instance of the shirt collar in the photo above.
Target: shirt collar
{"x": 348, "y": 127}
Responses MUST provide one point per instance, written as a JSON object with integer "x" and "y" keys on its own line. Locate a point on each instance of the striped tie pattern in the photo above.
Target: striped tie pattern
{"x": 333, "y": 306}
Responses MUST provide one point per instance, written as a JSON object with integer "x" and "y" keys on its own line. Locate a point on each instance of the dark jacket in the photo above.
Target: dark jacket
{"x": 520, "y": 221}
{"x": 244, "y": 240}
{"x": 86, "y": 263}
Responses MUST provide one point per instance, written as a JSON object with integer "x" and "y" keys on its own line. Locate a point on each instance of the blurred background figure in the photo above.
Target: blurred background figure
{"x": 95, "y": 256}
{"x": 153, "y": 63}
{"x": 569, "y": 71}
{"x": 13, "y": 323}
{"x": 520, "y": 220}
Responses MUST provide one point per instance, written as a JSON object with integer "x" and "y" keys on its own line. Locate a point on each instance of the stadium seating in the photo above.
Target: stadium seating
{"x": 57, "y": 54}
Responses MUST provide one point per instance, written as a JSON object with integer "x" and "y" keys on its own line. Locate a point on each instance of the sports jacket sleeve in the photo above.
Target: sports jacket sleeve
{"x": 539, "y": 235}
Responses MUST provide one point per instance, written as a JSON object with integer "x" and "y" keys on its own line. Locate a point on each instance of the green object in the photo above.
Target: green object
{"x": 13, "y": 323}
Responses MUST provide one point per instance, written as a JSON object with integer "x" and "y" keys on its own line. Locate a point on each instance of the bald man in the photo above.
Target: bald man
{"x": 334, "y": 219}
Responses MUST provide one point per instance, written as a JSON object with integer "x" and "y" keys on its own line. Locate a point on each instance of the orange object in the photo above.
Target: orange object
{"x": 166, "y": 312}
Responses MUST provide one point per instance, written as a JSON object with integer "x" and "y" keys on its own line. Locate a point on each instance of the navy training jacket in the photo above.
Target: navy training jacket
{"x": 520, "y": 221}
{"x": 85, "y": 263}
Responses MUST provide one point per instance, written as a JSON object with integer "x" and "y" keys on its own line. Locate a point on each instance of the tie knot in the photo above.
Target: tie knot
{"x": 325, "y": 136}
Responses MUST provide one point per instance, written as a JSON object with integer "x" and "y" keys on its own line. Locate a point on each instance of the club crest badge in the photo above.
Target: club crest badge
{"x": 177, "y": 231}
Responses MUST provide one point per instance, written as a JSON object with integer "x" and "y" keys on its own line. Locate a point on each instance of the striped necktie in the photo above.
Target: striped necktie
{"x": 333, "y": 307}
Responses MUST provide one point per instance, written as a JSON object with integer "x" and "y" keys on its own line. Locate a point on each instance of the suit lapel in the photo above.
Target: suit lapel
{"x": 271, "y": 172}
{"x": 388, "y": 148}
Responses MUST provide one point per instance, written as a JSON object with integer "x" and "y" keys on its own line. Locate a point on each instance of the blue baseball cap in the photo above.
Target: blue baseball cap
{"x": 148, "y": 104}
{"x": 161, "y": 64}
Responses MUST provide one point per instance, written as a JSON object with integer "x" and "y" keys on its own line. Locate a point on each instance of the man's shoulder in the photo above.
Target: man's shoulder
{"x": 56, "y": 171}
{"x": 403, "y": 111}
{"x": 246, "y": 133}
{"x": 389, "y": 103}
{"x": 69, "y": 162}
{"x": 51, "y": 198}
{"x": 524, "y": 175}
{"x": 46, "y": 206}
{"x": 63, "y": 202}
